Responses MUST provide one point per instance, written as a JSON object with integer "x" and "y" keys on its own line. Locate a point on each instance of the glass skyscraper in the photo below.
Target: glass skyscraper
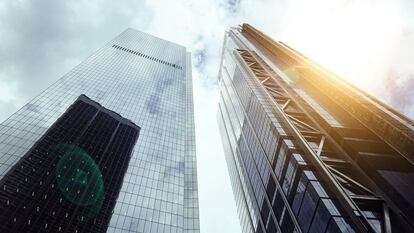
{"x": 306, "y": 150}
{"x": 118, "y": 131}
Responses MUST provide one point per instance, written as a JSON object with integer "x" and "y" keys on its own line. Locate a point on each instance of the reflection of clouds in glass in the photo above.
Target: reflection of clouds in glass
{"x": 32, "y": 107}
{"x": 181, "y": 167}
{"x": 173, "y": 171}
{"x": 99, "y": 95}
{"x": 22, "y": 46}
{"x": 163, "y": 83}
{"x": 153, "y": 104}
{"x": 133, "y": 226}
{"x": 168, "y": 172}
{"x": 152, "y": 94}
{"x": 156, "y": 155}
{"x": 159, "y": 132}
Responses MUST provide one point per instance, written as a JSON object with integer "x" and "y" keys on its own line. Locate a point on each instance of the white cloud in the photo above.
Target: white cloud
{"x": 363, "y": 41}
{"x": 7, "y": 91}
{"x": 10, "y": 99}
{"x": 367, "y": 42}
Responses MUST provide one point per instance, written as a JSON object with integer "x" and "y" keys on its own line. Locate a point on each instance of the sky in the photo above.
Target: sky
{"x": 370, "y": 43}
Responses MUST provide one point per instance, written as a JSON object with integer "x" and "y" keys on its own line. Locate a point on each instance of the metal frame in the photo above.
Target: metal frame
{"x": 300, "y": 126}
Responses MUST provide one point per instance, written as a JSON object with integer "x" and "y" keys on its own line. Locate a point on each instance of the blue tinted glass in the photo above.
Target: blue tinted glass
{"x": 147, "y": 80}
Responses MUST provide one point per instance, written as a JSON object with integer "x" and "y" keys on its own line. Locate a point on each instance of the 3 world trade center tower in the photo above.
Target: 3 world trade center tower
{"x": 307, "y": 151}
{"x": 109, "y": 147}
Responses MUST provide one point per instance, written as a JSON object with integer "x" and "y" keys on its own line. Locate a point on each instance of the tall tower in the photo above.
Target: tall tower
{"x": 306, "y": 150}
{"x": 109, "y": 147}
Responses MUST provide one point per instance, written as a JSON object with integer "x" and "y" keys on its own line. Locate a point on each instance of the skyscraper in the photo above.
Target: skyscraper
{"x": 306, "y": 150}
{"x": 109, "y": 147}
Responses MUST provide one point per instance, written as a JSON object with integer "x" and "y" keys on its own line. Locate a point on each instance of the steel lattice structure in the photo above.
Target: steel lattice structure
{"x": 360, "y": 150}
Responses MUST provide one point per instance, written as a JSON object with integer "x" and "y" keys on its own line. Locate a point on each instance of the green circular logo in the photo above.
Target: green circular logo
{"x": 79, "y": 178}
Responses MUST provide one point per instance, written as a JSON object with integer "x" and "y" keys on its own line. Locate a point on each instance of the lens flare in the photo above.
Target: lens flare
{"x": 79, "y": 178}
{"x": 292, "y": 75}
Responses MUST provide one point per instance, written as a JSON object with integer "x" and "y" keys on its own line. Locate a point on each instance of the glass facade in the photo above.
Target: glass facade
{"x": 70, "y": 179}
{"x": 148, "y": 81}
{"x": 297, "y": 161}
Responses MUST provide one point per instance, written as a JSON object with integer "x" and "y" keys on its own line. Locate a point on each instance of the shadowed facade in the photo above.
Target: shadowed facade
{"x": 307, "y": 151}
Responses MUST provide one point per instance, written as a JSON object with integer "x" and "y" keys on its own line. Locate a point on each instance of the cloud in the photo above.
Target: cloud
{"x": 200, "y": 59}
{"x": 32, "y": 38}
{"x": 400, "y": 90}
{"x": 366, "y": 42}
{"x": 42, "y": 40}
{"x": 7, "y": 90}
{"x": 153, "y": 104}
{"x": 398, "y": 84}
{"x": 232, "y": 6}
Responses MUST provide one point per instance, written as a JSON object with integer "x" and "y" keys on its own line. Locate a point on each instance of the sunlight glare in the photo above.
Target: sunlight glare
{"x": 356, "y": 41}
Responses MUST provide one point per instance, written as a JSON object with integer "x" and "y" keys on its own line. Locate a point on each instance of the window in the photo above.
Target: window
{"x": 72, "y": 175}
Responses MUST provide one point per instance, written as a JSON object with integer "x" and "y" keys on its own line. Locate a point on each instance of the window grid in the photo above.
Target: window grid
{"x": 160, "y": 182}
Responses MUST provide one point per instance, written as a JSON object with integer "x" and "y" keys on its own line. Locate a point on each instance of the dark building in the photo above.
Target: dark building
{"x": 306, "y": 150}
{"x": 70, "y": 179}
{"x": 147, "y": 186}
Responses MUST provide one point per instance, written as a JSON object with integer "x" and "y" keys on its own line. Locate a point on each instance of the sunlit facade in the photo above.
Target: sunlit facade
{"x": 145, "y": 183}
{"x": 307, "y": 151}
